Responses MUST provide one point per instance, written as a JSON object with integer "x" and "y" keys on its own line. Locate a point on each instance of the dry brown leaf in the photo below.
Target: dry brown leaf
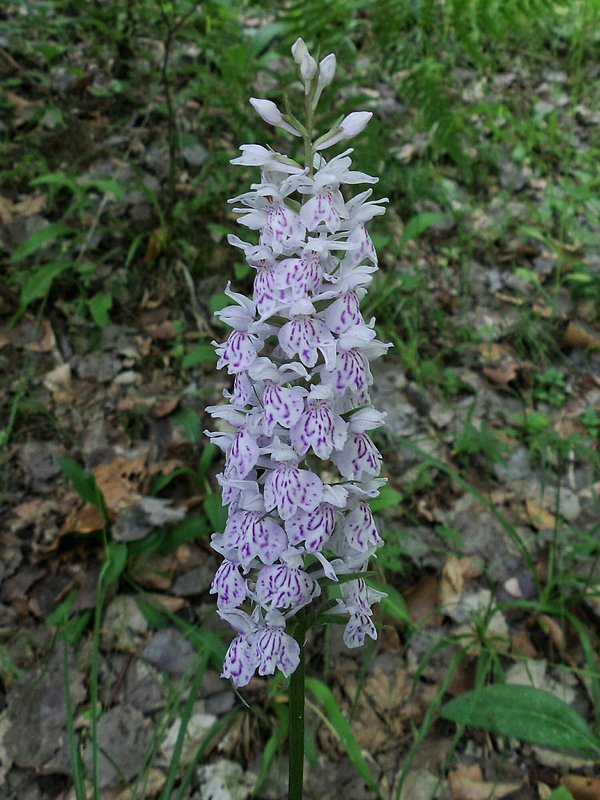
{"x": 503, "y": 374}
{"x": 83, "y": 520}
{"x": 164, "y": 406}
{"x": 494, "y": 351}
{"x": 582, "y": 787}
{"x": 30, "y": 205}
{"x": 455, "y": 571}
{"x": 152, "y": 786}
{"x": 551, "y": 627}
{"x": 119, "y": 481}
{"x": 521, "y": 645}
{"x": 466, "y": 783}
{"x": 538, "y": 516}
{"x": 168, "y": 602}
{"x": 6, "y": 210}
{"x": 577, "y": 336}
{"x": 422, "y": 600}
{"x": 46, "y": 343}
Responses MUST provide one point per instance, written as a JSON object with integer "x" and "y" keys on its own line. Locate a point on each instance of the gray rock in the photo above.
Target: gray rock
{"x": 99, "y": 367}
{"x": 196, "y": 580}
{"x": 516, "y": 467}
{"x": 39, "y": 461}
{"x": 37, "y": 713}
{"x": 124, "y": 738}
{"x": 168, "y": 650}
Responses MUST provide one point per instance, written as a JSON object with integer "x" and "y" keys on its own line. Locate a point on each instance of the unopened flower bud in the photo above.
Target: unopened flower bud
{"x": 271, "y": 114}
{"x": 327, "y": 70}
{"x": 299, "y": 50}
{"x": 308, "y": 70}
{"x": 349, "y": 127}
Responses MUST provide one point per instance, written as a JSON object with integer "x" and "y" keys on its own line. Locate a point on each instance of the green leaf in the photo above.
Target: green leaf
{"x": 115, "y": 562}
{"x": 419, "y": 224}
{"x": 107, "y": 186}
{"x": 561, "y": 793}
{"x": 216, "y": 512}
{"x": 60, "y": 615}
{"x": 84, "y": 484}
{"x": 38, "y": 239}
{"x": 99, "y": 306}
{"x": 201, "y": 354}
{"x": 39, "y": 282}
{"x": 394, "y": 603}
{"x": 189, "y": 420}
{"x": 523, "y": 712}
{"x": 388, "y": 498}
{"x": 342, "y": 727}
{"x": 57, "y": 179}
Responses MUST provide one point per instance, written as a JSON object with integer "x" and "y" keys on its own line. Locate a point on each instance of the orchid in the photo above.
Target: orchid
{"x": 299, "y": 353}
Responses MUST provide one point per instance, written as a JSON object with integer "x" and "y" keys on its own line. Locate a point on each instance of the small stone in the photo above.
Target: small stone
{"x": 124, "y": 625}
{"x": 168, "y": 650}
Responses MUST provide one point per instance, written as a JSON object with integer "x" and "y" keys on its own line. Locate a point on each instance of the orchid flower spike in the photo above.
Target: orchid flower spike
{"x": 299, "y": 353}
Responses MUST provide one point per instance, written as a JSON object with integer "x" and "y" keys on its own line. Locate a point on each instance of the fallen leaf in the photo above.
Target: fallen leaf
{"x": 30, "y": 205}
{"x": 46, "y": 343}
{"x": 582, "y": 787}
{"x": 577, "y": 336}
{"x": 454, "y": 573}
{"x": 502, "y": 375}
{"x": 422, "y": 601}
{"x": 119, "y": 481}
{"x": 551, "y": 627}
{"x": 538, "y": 516}
{"x": 83, "y": 520}
{"x": 466, "y": 783}
{"x": 168, "y": 602}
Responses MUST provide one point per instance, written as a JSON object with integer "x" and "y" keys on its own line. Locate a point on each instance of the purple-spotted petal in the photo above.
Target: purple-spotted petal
{"x": 359, "y": 626}
{"x": 319, "y": 429}
{"x": 274, "y": 649}
{"x": 242, "y": 456}
{"x": 360, "y": 529}
{"x": 229, "y": 586}
{"x": 288, "y": 488}
{"x": 344, "y": 312}
{"x": 280, "y": 586}
{"x": 313, "y": 528}
{"x": 303, "y": 336}
{"x": 241, "y": 661}
{"x": 358, "y": 455}
{"x": 237, "y": 353}
{"x": 282, "y": 406}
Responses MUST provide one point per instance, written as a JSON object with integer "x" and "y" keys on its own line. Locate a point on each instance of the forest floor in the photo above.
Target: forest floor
{"x": 491, "y": 516}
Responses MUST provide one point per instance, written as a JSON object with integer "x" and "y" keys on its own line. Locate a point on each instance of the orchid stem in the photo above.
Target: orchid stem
{"x": 296, "y": 721}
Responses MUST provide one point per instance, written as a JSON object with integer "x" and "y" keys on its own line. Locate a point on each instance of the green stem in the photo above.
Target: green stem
{"x": 296, "y": 722}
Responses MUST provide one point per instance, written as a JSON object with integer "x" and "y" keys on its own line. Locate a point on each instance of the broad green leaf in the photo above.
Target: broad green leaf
{"x": 201, "y": 354}
{"x": 84, "y": 483}
{"x": 61, "y": 613}
{"x": 39, "y": 282}
{"x": 57, "y": 179}
{"x": 523, "y": 712}
{"x": 216, "y": 512}
{"x": 394, "y": 603}
{"x": 421, "y": 223}
{"x": 342, "y": 727}
{"x": 107, "y": 185}
{"x": 189, "y": 420}
{"x": 388, "y": 498}
{"x": 561, "y": 793}
{"x": 99, "y": 306}
{"x": 115, "y": 563}
{"x": 38, "y": 239}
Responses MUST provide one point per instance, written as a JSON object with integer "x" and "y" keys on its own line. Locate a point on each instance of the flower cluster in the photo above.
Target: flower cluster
{"x": 299, "y": 354}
